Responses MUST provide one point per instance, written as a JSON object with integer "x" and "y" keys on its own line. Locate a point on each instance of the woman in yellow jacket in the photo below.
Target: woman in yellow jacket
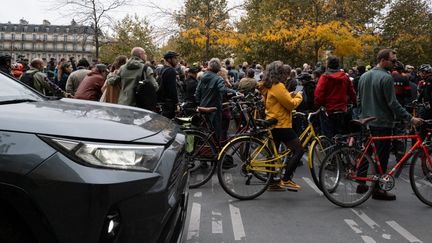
{"x": 279, "y": 104}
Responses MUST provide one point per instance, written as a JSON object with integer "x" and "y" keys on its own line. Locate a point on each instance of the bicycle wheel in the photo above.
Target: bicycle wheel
{"x": 316, "y": 154}
{"x": 421, "y": 178}
{"x": 336, "y": 177}
{"x": 235, "y": 173}
{"x": 201, "y": 155}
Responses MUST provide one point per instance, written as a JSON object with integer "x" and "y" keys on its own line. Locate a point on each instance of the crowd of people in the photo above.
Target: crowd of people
{"x": 381, "y": 91}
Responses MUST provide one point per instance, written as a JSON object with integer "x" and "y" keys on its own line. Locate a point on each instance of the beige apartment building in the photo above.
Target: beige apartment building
{"x": 46, "y": 40}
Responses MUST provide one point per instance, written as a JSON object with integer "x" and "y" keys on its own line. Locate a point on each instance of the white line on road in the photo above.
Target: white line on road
{"x": 217, "y": 223}
{"x": 194, "y": 222}
{"x": 237, "y": 223}
{"x": 407, "y": 235}
{"x": 214, "y": 182}
{"x": 365, "y": 218}
{"x": 353, "y": 225}
{"x": 368, "y": 239}
{"x": 312, "y": 184}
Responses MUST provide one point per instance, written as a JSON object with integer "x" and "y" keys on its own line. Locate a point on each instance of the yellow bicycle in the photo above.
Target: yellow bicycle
{"x": 257, "y": 160}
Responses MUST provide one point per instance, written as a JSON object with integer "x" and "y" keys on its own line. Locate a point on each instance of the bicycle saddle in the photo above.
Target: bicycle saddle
{"x": 363, "y": 121}
{"x": 206, "y": 109}
{"x": 266, "y": 123}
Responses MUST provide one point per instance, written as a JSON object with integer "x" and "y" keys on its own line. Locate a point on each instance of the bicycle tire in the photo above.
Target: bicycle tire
{"x": 421, "y": 178}
{"x": 342, "y": 162}
{"x": 316, "y": 155}
{"x": 240, "y": 181}
{"x": 202, "y": 160}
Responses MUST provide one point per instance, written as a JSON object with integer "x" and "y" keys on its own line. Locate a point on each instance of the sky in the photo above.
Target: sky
{"x": 35, "y": 11}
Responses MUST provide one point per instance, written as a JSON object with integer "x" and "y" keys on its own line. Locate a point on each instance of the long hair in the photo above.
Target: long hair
{"x": 119, "y": 61}
{"x": 275, "y": 73}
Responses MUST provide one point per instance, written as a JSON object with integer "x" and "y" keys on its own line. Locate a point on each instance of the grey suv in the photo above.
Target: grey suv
{"x": 77, "y": 171}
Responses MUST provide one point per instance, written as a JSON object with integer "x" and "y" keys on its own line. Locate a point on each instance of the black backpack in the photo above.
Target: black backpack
{"x": 28, "y": 78}
{"x": 145, "y": 92}
{"x": 308, "y": 96}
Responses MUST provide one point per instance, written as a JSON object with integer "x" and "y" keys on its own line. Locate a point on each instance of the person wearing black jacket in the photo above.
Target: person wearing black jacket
{"x": 167, "y": 93}
{"x": 5, "y": 64}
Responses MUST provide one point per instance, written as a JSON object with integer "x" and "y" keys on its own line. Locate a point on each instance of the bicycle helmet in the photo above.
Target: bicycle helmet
{"x": 425, "y": 68}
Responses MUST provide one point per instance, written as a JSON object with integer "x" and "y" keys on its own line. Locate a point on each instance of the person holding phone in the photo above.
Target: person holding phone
{"x": 279, "y": 104}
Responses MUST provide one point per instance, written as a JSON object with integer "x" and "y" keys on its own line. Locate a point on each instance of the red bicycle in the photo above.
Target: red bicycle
{"x": 349, "y": 175}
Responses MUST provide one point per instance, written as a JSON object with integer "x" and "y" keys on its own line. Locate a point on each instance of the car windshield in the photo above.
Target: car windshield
{"x": 11, "y": 90}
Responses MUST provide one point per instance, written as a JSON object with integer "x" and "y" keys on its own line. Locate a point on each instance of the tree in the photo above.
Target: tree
{"x": 299, "y": 31}
{"x": 204, "y": 25}
{"x": 408, "y": 28}
{"x": 92, "y": 12}
{"x": 128, "y": 33}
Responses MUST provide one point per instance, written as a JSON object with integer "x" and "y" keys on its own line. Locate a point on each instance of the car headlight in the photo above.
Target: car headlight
{"x": 128, "y": 157}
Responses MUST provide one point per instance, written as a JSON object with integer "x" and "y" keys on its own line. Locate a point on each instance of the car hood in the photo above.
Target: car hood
{"x": 87, "y": 120}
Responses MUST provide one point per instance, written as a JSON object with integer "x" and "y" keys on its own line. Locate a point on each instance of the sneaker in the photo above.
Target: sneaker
{"x": 290, "y": 185}
{"x": 383, "y": 195}
{"x": 362, "y": 189}
{"x": 275, "y": 187}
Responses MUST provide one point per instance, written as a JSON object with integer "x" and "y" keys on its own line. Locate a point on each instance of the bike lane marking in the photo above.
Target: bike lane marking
{"x": 195, "y": 217}
{"x": 313, "y": 186}
{"x": 356, "y": 228}
{"x": 365, "y": 218}
{"x": 237, "y": 222}
{"x": 217, "y": 223}
{"x": 402, "y": 231}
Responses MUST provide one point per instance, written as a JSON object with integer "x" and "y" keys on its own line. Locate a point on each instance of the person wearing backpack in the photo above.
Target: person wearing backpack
{"x": 130, "y": 75}
{"x": 37, "y": 79}
{"x": 332, "y": 90}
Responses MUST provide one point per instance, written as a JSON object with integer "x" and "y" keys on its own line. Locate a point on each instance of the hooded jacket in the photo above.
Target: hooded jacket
{"x": 279, "y": 104}
{"x": 129, "y": 74}
{"x": 332, "y": 91}
{"x": 90, "y": 87}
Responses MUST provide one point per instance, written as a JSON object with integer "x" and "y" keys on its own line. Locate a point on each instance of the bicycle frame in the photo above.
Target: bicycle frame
{"x": 307, "y": 135}
{"x": 371, "y": 144}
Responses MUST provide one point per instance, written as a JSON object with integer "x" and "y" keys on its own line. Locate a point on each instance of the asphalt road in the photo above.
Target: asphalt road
{"x": 305, "y": 216}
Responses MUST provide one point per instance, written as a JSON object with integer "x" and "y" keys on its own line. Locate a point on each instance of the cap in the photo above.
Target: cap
{"x": 101, "y": 67}
{"x": 170, "y": 54}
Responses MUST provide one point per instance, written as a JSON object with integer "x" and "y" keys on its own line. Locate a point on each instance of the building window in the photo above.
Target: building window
{"x": 47, "y": 29}
{"x": 22, "y": 45}
{"x": 67, "y": 30}
{"x": 44, "y": 46}
{"x": 2, "y": 36}
{"x": 65, "y": 38}
{"x": 45, "y": 37}
{"x": 5, "y": 28}
{"x": 33, "y": 46}
{"x": 23, "y": 37}
{"x": 13, "y": 36}
{"x": 55, "y": 38}
{"x": 34, "y": 37}
{"x": 15, "y": 28}
{"x": 36, "y": 29}
{"x": 25, "y": 28}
